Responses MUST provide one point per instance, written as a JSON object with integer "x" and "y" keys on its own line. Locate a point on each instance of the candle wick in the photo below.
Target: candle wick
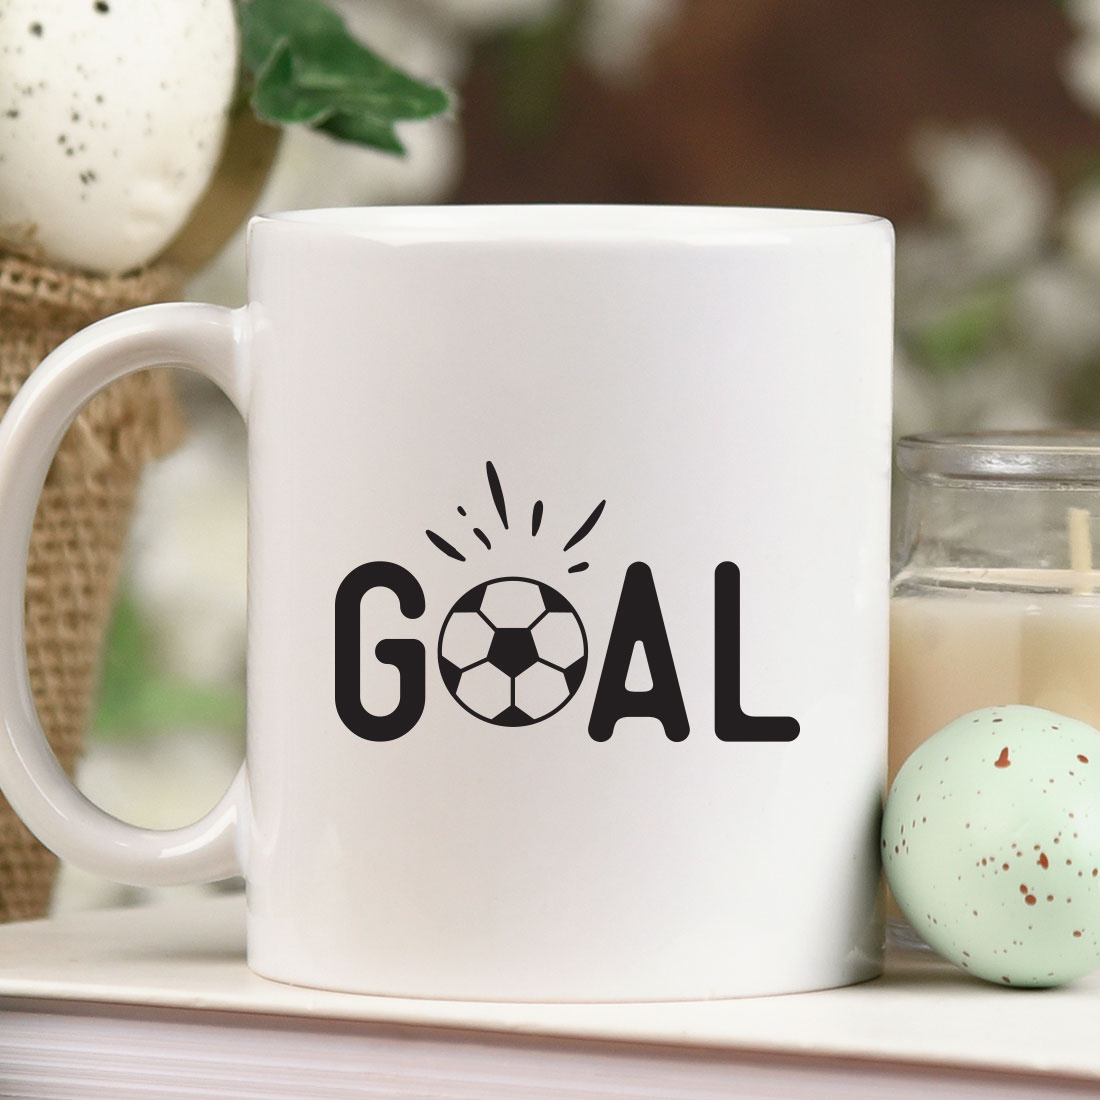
{"x": 1080, "y": 549}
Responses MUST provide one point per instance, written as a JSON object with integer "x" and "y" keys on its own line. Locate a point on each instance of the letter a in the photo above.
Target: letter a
{"x": 638, "y": 619}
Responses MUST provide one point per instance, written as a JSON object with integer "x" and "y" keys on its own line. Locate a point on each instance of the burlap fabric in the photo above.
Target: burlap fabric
{"x": 81, "y": 525}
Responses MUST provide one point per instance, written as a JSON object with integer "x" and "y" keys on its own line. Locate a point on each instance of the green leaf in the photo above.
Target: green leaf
{"x": 265, "y": 22}
{"x": 308, "y": 70}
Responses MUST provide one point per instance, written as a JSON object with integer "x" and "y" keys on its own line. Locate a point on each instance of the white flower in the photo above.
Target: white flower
{"x": 480, "y": 16}
{"x": 934, "y": 267}
{"x": 312, "y": 169}
{"x": 617, "y": 34}
{"x": 915, "y": 405}
{"x": 1081, "y": 70}
{"x": 1001, "y": 392}
{"x": 1004, "y": 392}
{"x": 987, "y": 192}
{"x": 188, "y": 554}
{"x": 1085, "y": 13}
{"x": 1081, "y": 229}
{"x": 410, "y": 35}
{"x": 1081, "y": 64}
{"x": 1055, "y": 312}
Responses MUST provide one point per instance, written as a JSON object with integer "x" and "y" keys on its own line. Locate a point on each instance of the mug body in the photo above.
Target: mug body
{"x": 567, "y": 598}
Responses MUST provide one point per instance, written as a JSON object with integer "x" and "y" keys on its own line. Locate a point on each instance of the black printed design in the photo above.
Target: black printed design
{"x": 496, "y": 492}
{"x": 512, "y": 651}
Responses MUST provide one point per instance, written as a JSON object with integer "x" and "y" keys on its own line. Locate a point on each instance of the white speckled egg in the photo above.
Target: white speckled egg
{"x": 112, "y": 114}
{"x": 991, "y": 844}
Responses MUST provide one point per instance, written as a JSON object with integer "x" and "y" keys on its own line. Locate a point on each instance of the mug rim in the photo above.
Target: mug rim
{"x": 569, "y": 221}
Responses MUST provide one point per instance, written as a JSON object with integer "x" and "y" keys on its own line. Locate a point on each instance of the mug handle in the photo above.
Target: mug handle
{"x": 211, "y": 340}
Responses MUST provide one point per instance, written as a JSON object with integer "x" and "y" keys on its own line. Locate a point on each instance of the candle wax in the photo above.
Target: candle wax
{"x": 961, "y": 649}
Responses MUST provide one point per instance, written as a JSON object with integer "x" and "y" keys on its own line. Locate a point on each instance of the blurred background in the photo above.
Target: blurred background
{"x": 972, "y": 126}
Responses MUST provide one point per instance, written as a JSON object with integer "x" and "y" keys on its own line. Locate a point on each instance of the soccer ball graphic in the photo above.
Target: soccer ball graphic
{"x": 512, "y": 651}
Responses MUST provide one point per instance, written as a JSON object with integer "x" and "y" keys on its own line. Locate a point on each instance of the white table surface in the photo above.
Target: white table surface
{"x": 191, "y": 956}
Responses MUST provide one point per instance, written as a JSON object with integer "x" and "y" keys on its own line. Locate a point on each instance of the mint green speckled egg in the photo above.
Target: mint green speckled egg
{"x": 991, "y": 845}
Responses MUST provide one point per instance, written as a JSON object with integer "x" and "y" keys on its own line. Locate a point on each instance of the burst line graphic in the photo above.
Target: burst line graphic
{"x": 442, "y": 544}
{"x": 586, "y": 527}
{"x": 496, "y": 491}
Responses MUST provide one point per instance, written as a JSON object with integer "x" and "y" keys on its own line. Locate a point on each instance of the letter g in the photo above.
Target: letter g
{"x": 405, "y": 654}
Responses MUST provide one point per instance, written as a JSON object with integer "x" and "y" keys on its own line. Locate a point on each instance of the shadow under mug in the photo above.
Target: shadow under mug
{"x": 568, "y": 557}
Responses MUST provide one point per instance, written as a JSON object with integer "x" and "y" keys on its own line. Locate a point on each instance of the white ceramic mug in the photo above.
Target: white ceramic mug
{"x": 567, "y": 597}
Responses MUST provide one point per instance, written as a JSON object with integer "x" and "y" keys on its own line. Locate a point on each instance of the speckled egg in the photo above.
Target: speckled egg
{"x": 112, "y": 114}
{"x": 991, "y": 845}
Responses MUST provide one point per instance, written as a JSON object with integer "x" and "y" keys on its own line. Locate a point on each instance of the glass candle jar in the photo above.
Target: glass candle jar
{"x": 995, "y": 598}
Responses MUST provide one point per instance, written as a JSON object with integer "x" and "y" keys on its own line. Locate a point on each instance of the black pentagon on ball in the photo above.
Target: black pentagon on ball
{"x": 451, "y": 674}
{"x": 574, "y": 674}
{"x": 471, "y": 601}
{"x": 513, "y": 716}
{"x": 513, "y": 650}
{"x": 553, "y": 599}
